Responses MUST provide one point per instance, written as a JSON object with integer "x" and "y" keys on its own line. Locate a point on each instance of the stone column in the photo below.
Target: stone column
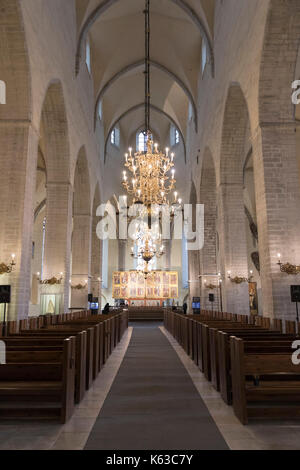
{"x": 233, "y": 247}
{"x": 208, "y": 255}
{"x": 96, "y": 263}
{"x": 194, "y": 281}
{"x": 122, "y": 245}
{"x": 58, "y": 239}
{"x": 277, "y": 186}
{"x": 81, "y": 259}
{"x": 18, "y": 160}
{"x": 167, "y": 245}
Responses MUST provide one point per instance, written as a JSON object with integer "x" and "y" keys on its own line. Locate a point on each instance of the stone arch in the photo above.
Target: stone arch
{"x": 81, "y": 8}
{"x": 106, "y": 4}
{"x": 81, "y": 236}
{"x": 231, "y": 214}
{"x": 54, "y": 134}
{"x": 278, "y": 62}
{"x": 38, "y": 232}
{"x": 135, "y": 108}
{"x": 82, "y": 191}
{"x": 54, "y": 142}
{"x": 141, "y": 128}
{"x": 14, "y": 63}
{"x": 158, "y": 66}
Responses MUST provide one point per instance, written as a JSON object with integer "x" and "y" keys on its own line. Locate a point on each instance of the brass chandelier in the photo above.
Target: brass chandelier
{"x": 151, "y": 182}
{"x": 152, "y": 172}
{"x": 148, "y": 247}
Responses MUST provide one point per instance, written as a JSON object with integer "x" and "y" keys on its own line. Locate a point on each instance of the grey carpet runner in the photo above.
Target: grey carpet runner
{"x": 153, "y": 403}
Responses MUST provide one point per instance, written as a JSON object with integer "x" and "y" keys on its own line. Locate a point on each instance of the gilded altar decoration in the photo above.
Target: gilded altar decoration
{"x": 159, "y": 285}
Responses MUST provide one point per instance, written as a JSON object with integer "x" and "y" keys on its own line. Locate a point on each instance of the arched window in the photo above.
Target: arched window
{"x": 100, "y": 111}
{"x": 141, "y": 147}
{"x": 204, "y": 55}
{"x": 141, "y": 141}
{"x": 88, "y": 55}
{"x": 174, "y": 136}
{"x": 115, "y": 137}
{"x": 2, "y": 92}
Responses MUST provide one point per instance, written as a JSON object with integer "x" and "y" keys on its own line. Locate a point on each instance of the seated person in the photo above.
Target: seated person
{"x": 105, "y": 311}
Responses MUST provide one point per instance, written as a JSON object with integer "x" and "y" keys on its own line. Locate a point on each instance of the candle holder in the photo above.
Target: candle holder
{"x": 8, "y": 268}
{"x": 52, "y": 281}
{"x": 80, "y": 286}
{"x": 240, "y": 279}
{"x": 288, "y": 268}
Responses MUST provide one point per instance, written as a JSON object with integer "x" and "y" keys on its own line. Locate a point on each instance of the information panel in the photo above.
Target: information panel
{"x": 133, "y": 285}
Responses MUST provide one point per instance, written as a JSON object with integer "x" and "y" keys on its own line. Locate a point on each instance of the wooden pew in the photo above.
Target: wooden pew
{"x": 278, "y": 324}
{"x": 224, "y": 362}
{"x": 93, "y": 347}
{"x": 48, "y": 342}
{"x": 84, "y": 354}
{"x": 109, "y": 334}
{"x": 290, "y": 327}
{"x": 211, "y": 360}
{"x": 209, "y": 345}
{"x": 43, "y": 390}
{"x": 255, "y": 395}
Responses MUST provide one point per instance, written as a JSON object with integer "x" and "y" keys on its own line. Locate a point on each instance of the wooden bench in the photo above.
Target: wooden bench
{"x": 110, "y": 333}
{"x": 38, "y": 384}
{"x": 257, "y": 396}
{"x": 93, "y": 347}
{"x": 224, "y": 356}
{"x": 43, "y": 343}
{"x": 84, "y": 354}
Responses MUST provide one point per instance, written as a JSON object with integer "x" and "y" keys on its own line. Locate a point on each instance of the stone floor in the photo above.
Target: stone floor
{"x": 74, "y": 435}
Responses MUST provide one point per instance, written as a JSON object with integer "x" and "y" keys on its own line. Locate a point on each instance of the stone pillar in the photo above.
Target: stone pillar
{"x": 18, "y": 160}
{"x": 167, "y": 245}
{"x": 81, "y": 260}
{"x": 194, "y": 281}
{"x": 96, "y": 263}
{"x": 122, "y": 245}
{"x": 208, "y": 255}
{"x": 58, "y": 239}
{"x": 233, "y": 247}
{"x": 277, "y": 187}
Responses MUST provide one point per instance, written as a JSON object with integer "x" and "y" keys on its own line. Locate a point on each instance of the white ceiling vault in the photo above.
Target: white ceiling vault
{"x": 115, "y": 29}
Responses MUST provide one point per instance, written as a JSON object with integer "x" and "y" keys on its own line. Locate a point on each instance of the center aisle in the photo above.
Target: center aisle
{"x": 153, "y": 403}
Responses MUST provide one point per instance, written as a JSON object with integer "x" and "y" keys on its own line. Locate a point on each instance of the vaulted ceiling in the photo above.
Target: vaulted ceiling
{"x": 115, "y": 29}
